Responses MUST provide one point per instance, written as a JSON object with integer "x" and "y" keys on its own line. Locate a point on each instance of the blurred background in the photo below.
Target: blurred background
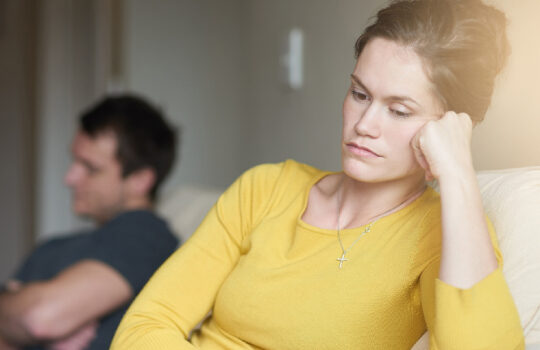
{"x": 227, "y": 72}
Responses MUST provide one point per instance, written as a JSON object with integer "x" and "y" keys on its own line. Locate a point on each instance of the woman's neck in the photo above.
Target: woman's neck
{"x": 360, "y": 203}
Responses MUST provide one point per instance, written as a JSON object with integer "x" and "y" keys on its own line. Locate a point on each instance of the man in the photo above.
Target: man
{"x": 72, "y": 292}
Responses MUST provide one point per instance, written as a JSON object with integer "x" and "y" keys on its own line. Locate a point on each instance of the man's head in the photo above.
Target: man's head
{"x": 122, "y": 152}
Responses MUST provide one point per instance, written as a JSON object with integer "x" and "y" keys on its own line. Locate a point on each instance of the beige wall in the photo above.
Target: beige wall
{"x": 510, "y": 135}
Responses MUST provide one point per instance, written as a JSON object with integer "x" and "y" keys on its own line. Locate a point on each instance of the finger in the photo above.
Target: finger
{"x": 429, "y": 176}
{"x": 13, "y": 285}
{"x": 418, "y": 153}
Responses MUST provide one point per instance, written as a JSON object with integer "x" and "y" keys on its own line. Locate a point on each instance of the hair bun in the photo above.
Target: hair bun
{"x": 463, "y": 43}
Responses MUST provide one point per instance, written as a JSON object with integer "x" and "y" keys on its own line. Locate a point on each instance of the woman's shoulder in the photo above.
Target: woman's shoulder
{"x": 288, "y": 171}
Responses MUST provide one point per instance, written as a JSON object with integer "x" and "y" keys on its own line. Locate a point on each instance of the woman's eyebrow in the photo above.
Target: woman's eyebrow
{"x": 399, "y": 98}
{"x": 359, "y": 82}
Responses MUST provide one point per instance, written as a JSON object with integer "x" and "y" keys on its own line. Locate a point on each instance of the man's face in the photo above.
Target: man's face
{"x": 95, "y": 177}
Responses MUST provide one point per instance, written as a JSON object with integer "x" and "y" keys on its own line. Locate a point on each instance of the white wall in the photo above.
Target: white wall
{"x": 66, "y": 85}
{"x": 304, "y": 124}
{"x": 189, "y": 56}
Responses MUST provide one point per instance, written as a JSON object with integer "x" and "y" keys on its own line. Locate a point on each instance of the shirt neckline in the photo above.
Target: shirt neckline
{"x": 351, "y": 230}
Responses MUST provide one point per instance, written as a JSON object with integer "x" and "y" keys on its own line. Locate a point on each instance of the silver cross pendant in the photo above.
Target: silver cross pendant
{"x": 341, "y": 260}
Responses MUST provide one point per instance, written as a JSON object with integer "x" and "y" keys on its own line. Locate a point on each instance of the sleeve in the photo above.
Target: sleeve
{"x": 135, "y": 244}
{"x": 33, "y": 263}
{"x": 184, "y": 288}
{"x": 481, "y": 317}
{"x": 43, "y": 262}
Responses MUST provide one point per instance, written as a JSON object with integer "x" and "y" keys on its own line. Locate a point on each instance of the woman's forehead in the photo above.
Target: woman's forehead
{"x": 387, "y": 68}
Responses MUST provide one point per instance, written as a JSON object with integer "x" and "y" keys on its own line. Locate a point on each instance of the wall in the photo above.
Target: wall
{"x": 508, "y": 137}
{"x": 305, "y": 124}
{"x": 213, "y": 66}
{"x": 189, "y": 57}
{"x": 66, "y": 71}
{"x": 16, "y": 131}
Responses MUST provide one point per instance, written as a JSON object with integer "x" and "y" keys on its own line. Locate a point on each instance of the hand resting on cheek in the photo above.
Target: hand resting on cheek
{"x": 443, "y": 147}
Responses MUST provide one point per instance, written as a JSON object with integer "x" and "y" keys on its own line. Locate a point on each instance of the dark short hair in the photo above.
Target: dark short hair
{"x": 463, "y": 44}
{"x": 144, "y": 139}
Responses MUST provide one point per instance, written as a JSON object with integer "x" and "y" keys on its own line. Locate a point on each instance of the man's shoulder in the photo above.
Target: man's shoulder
{"x": 136, "y": 216}
{"x": 136, "y": 222}
{"x": 135, "y": 244}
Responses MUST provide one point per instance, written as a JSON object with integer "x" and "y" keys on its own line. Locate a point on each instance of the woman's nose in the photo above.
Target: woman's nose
{"x": 368, "y": 122}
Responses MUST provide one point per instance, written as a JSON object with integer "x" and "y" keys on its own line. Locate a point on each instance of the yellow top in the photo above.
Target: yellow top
{"x": 272, "y": 281}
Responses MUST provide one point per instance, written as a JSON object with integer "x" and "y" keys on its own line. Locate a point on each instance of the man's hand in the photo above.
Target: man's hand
{"x": 13, "y": 286}
{"x": 4, "y": 345}
{"x": 78, "y": 340}
{"x": 51, "y": 310}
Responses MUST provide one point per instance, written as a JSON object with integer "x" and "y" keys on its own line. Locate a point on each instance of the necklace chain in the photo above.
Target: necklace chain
{"x": 342, "y": 259}
{"x": 344, "y": 251}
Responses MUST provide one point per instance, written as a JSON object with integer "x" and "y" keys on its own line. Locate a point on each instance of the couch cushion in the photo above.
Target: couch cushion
{"x": 512, "y": 201}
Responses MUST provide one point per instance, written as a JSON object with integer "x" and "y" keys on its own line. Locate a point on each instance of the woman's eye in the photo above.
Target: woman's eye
{"x": 360, "y": 96}
{"x": 400, "y": 114}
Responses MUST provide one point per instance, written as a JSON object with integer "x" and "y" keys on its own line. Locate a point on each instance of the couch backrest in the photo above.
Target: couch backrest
{"x": 186, "y": 207}
{"x": 512, "y": 202}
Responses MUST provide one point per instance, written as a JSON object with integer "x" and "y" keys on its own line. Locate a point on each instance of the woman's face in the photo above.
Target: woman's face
{"x": 389, "y": 101}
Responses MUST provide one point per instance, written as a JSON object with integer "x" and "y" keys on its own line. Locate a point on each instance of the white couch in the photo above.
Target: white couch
{"x": 511, "y": 199}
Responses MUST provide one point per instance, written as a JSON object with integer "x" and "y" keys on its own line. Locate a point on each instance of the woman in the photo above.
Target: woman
{"x": 292, "y": 257}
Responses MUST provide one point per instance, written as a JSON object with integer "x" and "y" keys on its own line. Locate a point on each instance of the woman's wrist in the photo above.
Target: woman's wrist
{"x": 458, "y": 176}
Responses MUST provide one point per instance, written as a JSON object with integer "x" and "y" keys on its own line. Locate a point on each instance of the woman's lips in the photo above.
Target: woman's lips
{"x": 361, "y": 151}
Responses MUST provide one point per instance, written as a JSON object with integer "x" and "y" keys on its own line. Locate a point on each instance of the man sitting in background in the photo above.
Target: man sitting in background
{"x": 71, "y": 292}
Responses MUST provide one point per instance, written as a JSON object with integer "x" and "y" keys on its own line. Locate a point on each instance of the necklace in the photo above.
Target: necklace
{"x": 342, "y": 259}
{"x": 344, "y": 251}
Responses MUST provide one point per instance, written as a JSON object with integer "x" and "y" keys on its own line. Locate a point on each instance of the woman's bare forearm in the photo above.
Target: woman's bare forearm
{"x": 467, "y": 253}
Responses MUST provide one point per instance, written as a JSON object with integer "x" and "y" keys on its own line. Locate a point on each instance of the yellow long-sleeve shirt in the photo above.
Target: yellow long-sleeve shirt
{"x": 272, "y": 281}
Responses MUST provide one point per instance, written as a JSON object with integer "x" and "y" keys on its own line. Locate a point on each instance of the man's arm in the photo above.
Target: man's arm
{"x": 4, "y": 345}
{"x": 77, "y": 341}
{"x": 53, "y": 309}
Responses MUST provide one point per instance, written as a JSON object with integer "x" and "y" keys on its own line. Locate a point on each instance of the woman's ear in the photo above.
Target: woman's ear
{"x": 140, "y": 182}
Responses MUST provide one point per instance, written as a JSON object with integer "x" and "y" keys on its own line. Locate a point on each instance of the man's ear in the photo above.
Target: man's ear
{"x": 141, "y": 181}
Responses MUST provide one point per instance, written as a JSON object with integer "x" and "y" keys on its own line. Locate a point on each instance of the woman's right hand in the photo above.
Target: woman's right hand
{"x": 443, "y": 147}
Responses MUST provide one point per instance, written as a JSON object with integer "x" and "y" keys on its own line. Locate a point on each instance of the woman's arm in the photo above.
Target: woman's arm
{"x": 466, "y": 301}
{"x": 184, "y": 289}
{"x": 443, "y": 147}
